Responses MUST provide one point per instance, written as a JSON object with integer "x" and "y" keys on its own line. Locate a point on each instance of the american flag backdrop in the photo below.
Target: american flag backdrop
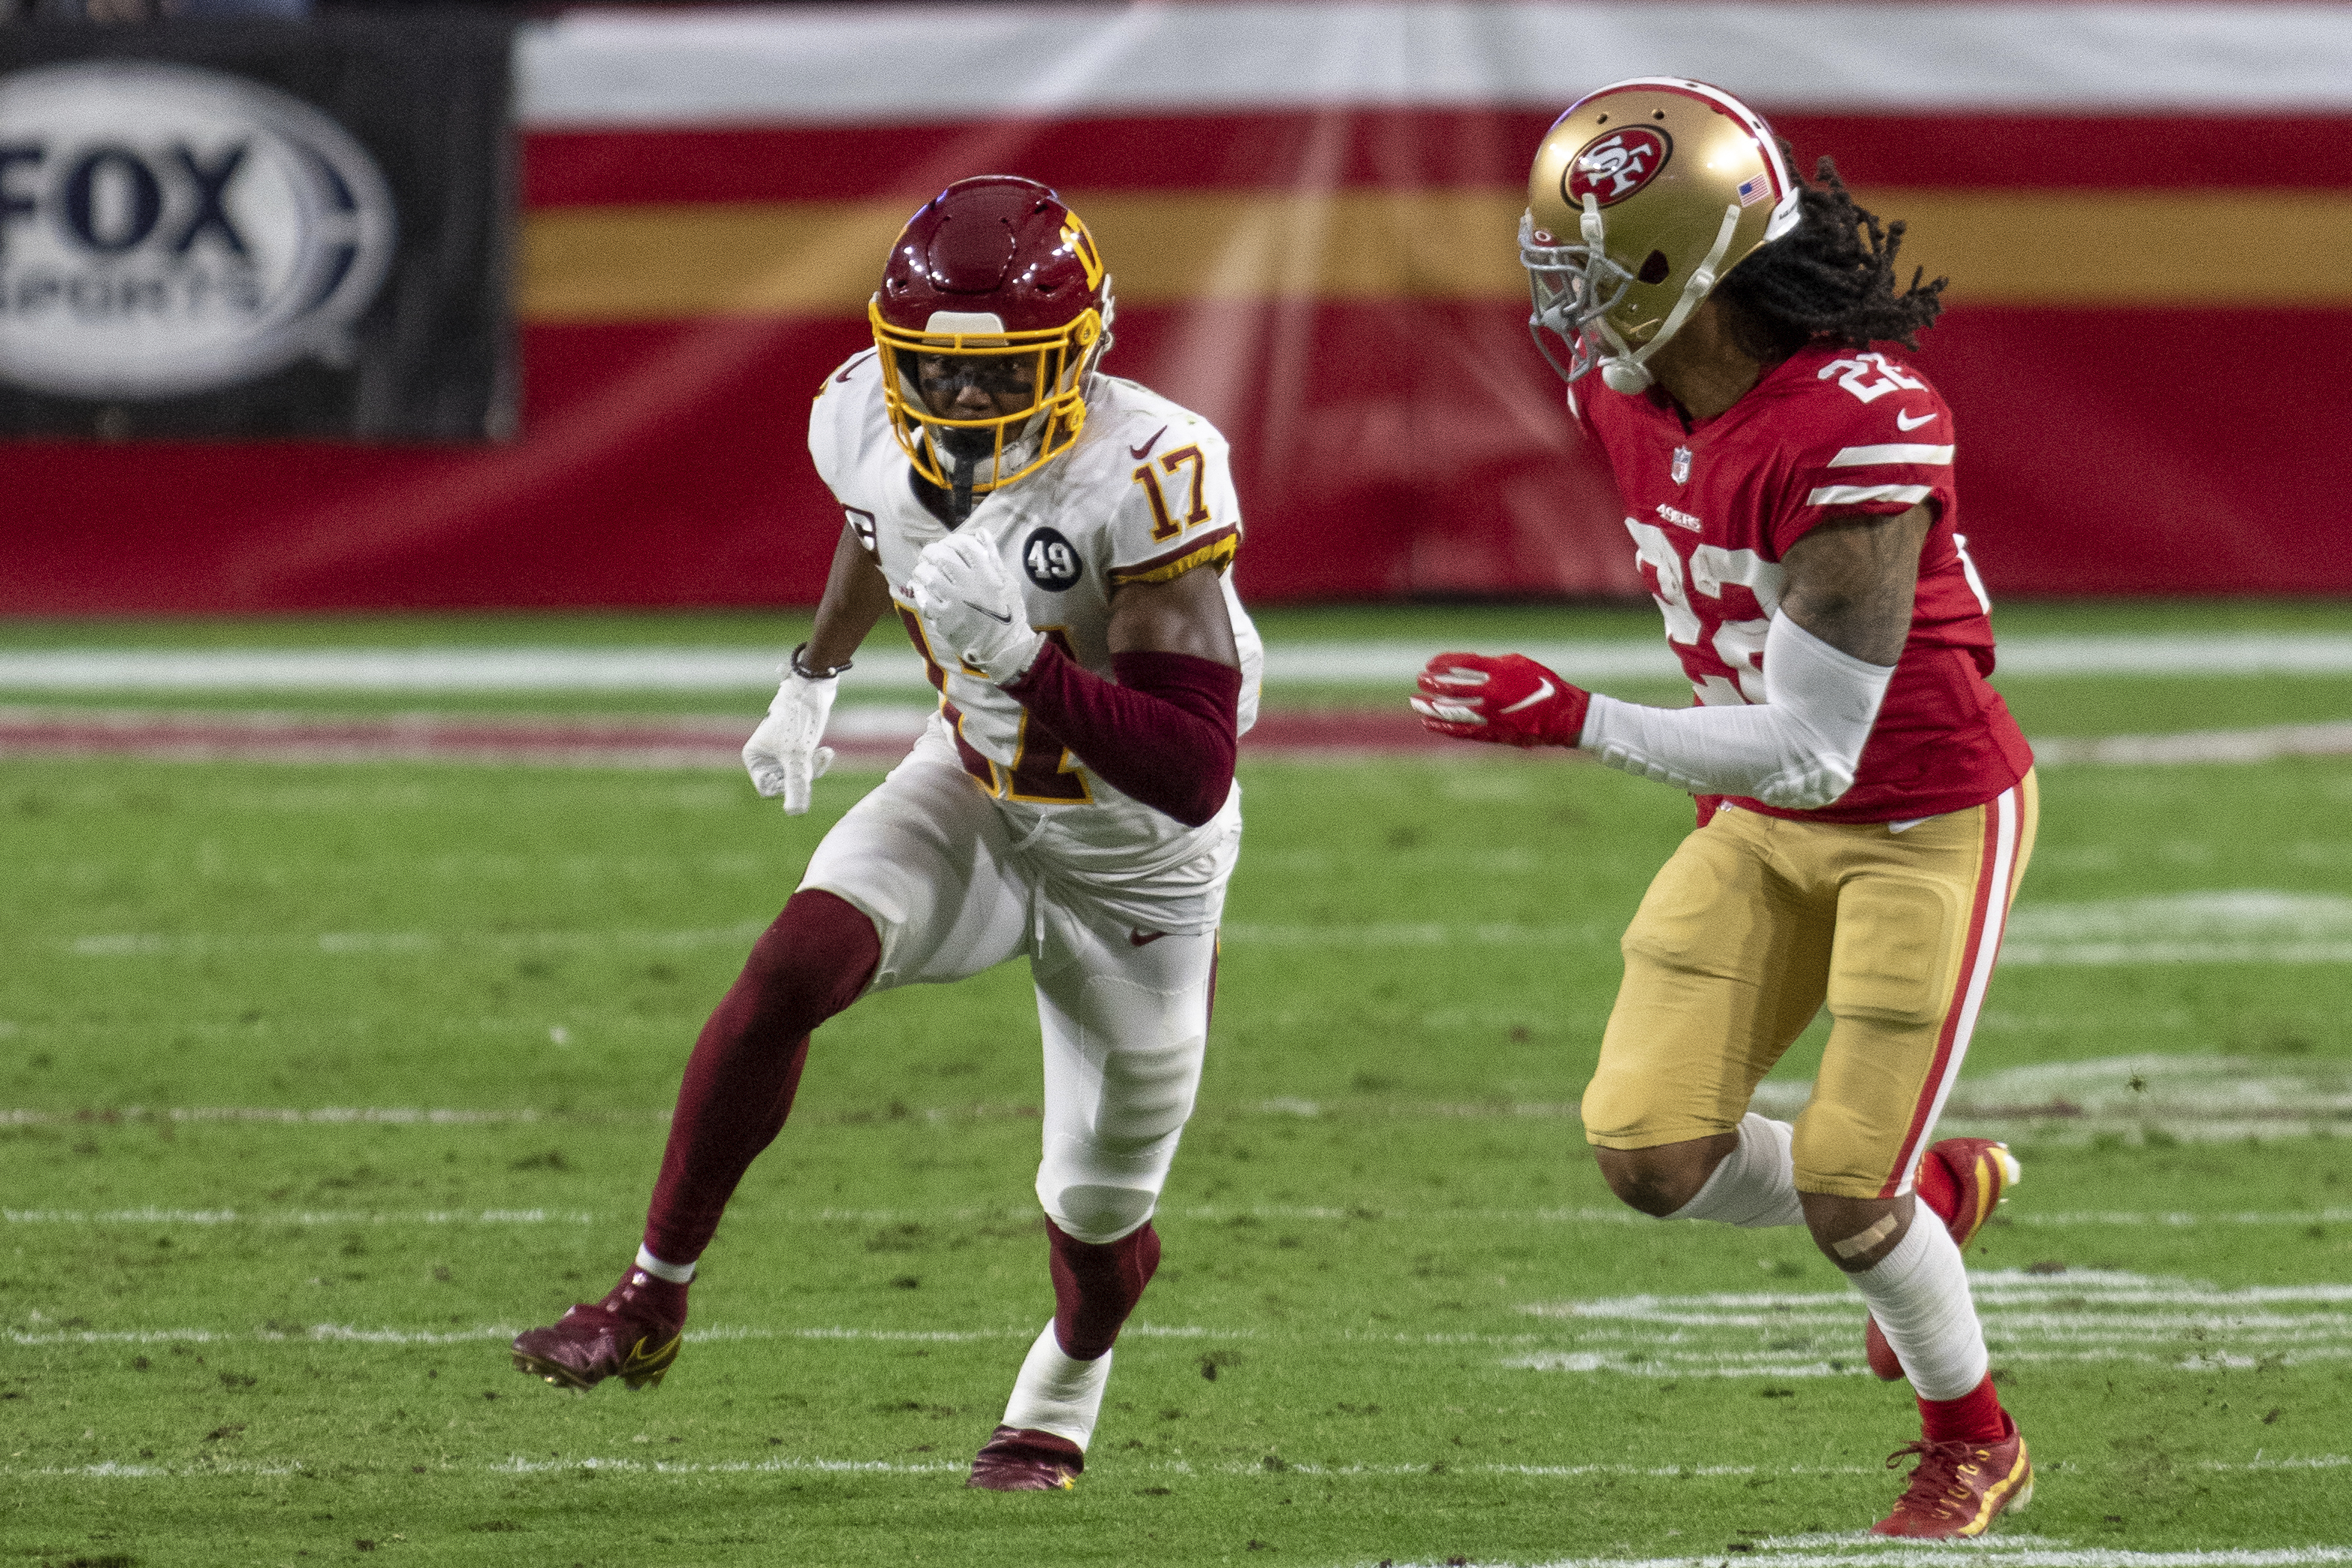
{"x": 1308, "y": 209}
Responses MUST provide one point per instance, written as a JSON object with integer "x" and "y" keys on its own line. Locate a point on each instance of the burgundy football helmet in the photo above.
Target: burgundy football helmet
{"x": 996, "y": 275}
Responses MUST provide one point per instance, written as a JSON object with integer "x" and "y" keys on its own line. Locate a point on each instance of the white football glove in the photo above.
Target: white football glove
{"x": 782, "y": 754}
{"x": 971, "y": 608}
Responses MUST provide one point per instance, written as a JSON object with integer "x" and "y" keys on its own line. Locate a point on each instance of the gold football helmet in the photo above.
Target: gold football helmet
{"x": 1642, "y": 195}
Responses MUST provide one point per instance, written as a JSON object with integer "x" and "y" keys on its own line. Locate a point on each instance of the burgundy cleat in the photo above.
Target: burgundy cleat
{"x": 633, "y": 1334}
{"x": 1015, "y": 1459}
{"x": 1982, "y": 1173}
{"x": 1959, "y": 1489}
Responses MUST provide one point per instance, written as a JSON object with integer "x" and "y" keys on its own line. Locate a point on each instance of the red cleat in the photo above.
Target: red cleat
{"x": 1978, "y": 1174}
{"x": 1015, "y": 1459}
{"x": 633, "y": 1334}
{"x": 1959, "y": 1489}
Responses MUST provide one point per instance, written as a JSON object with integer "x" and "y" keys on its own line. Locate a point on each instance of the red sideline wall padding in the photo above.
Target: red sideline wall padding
{"x": 1384, "y": 446}
{"x": 2097, "y": 457}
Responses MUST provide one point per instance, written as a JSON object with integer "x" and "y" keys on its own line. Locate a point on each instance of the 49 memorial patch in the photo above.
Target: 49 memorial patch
{"x": 1050, "y": 561}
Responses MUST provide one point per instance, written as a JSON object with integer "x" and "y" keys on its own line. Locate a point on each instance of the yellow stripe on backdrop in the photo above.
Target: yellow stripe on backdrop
{"x": 2010, "y": 248}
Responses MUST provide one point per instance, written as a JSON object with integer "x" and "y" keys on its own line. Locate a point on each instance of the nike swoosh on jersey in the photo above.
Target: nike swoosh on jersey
{"x": 1902, "y": 420}
{"x": 1143, "y": 937}
{"x": 1145, "y": 450}
{"x": 1540, "y": 693}
{"x": 851, "y": 368}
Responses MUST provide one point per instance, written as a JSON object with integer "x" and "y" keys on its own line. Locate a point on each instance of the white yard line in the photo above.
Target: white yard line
{"x": 425, "y": 945}
{"x": 2231, "y": 925}
{"x": 2245, "y": 925}
{"x": 2248, "y": 925}
{"x": 2199, "y": 1097}
{"x": 459, "y": 669}
{"x": 327, "y": 1115}
{"x": 2000, "y": 1545}
{"x": 1426, "y": 933}
{"x": 865, "y": 735}
{"x": 348, "y": 1335}
{"x": 215, "y": 1217}
{"x": 2027, "y": 951}
{"x": 1994, "y": 1547}
{"x": 2019, "y": 1553}
{"x": 2263, "y": 744}
{"x": 1200, "y": 1214}
{"x": 2079, "y": 1315}
{"x": 406, "y": 944}
{"x": 418, "y": 1116}
{"x": 2011, "y": 1549}
{"x": 2178, "y": 1220}
{"x": 2075, "y": 1318}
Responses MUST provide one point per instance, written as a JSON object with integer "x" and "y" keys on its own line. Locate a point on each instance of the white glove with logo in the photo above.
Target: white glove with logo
{"x": 971, "y": 608}
{"x": 782, "y": 754}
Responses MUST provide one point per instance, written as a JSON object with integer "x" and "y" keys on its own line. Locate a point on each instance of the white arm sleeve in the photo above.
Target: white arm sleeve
{"x": 1797, "y": 749}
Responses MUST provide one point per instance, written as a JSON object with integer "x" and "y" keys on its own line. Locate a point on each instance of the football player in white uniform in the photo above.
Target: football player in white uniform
{"x": 1057, "y": 542}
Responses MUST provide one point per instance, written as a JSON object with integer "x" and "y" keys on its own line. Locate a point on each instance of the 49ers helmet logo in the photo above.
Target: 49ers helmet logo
{"x": 1615, "y": 166}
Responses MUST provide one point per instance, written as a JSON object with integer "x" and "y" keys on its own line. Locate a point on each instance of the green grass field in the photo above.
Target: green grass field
{"x": 318, "y": 1083}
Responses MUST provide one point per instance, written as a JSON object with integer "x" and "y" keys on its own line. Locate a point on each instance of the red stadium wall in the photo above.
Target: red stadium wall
{"x": 2149, "y": 314}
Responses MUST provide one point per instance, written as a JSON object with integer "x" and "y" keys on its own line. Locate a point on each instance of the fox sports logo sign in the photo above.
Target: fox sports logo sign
{"x": 166, "y": 230}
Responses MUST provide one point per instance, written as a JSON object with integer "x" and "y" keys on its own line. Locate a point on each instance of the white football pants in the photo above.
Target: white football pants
{"x": 1125, "y": 1013}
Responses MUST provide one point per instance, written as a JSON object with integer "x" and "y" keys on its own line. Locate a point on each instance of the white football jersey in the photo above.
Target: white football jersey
{"x": 1144, "y": 494}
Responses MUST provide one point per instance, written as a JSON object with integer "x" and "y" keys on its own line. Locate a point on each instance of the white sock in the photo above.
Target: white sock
{"x": 1754, "y": 1185}
{"x": 676, "y": 1273}
{"x": 1920, "y": 1294}
{"x": 1057, "y": 1393}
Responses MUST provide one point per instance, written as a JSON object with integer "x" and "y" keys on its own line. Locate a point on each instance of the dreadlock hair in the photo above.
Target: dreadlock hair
{"x": 1831, "y": 276}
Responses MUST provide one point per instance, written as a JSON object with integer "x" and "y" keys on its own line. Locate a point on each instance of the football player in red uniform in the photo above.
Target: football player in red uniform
{"x": 1057, "y": 543}
{"x": 1865, "y": 802}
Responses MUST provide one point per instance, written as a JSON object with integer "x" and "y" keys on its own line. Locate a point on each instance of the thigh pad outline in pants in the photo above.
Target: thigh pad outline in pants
{"x": 926, "y": 855}
{"x": 1920, "y": 922}
{"x": 1126, "y": 1031}
{"x": 1898, "y": 941}
{"x": 1726, "y": 962}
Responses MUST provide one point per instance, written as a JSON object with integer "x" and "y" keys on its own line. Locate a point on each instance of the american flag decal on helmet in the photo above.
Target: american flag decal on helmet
{"x": 1755, "y": 189}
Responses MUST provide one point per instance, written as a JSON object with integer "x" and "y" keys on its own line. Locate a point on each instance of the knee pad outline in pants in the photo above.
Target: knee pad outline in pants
{"x": 1101, "y": 1179}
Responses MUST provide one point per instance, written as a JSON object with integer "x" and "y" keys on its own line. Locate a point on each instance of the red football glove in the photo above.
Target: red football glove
{"x": 1510, "y": 699}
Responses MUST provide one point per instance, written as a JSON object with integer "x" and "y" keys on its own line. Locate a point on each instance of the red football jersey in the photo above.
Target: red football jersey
{"x": 1714, "y": 505}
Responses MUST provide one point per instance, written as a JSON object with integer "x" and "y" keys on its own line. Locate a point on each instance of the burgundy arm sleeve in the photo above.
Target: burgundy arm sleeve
{"x": 1164, "y": 732}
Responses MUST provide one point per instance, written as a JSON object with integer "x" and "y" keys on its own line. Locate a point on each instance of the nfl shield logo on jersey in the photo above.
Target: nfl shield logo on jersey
{"x": 1680, "y": 469}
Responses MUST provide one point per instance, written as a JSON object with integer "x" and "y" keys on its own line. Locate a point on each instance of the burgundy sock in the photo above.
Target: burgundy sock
{"x": 1975, "y": 1416}
{"x": 740, "y": 1081}
{"x": 1097, "y": 1286}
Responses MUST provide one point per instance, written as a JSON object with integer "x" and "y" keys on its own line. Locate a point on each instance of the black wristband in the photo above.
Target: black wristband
{"x": 806, "y": 673}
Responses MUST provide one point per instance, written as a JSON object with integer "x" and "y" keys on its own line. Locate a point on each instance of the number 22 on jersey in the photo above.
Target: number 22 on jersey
{"x": 1707, "y": 621}
{"x": 1711, "y": 570}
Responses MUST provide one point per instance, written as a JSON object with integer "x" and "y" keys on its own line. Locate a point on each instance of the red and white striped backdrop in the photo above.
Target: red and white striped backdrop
{"x": 1307, "y": 205}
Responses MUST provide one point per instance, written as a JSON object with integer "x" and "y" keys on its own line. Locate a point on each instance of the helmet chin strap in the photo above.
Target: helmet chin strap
{"x": 959, "y": 460}
{"x": 960, "y": 494}
{"x": 1626, "y": 370}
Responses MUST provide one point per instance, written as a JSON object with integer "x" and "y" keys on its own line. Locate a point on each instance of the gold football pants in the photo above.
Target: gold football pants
{"x": 1758, "y": 921}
